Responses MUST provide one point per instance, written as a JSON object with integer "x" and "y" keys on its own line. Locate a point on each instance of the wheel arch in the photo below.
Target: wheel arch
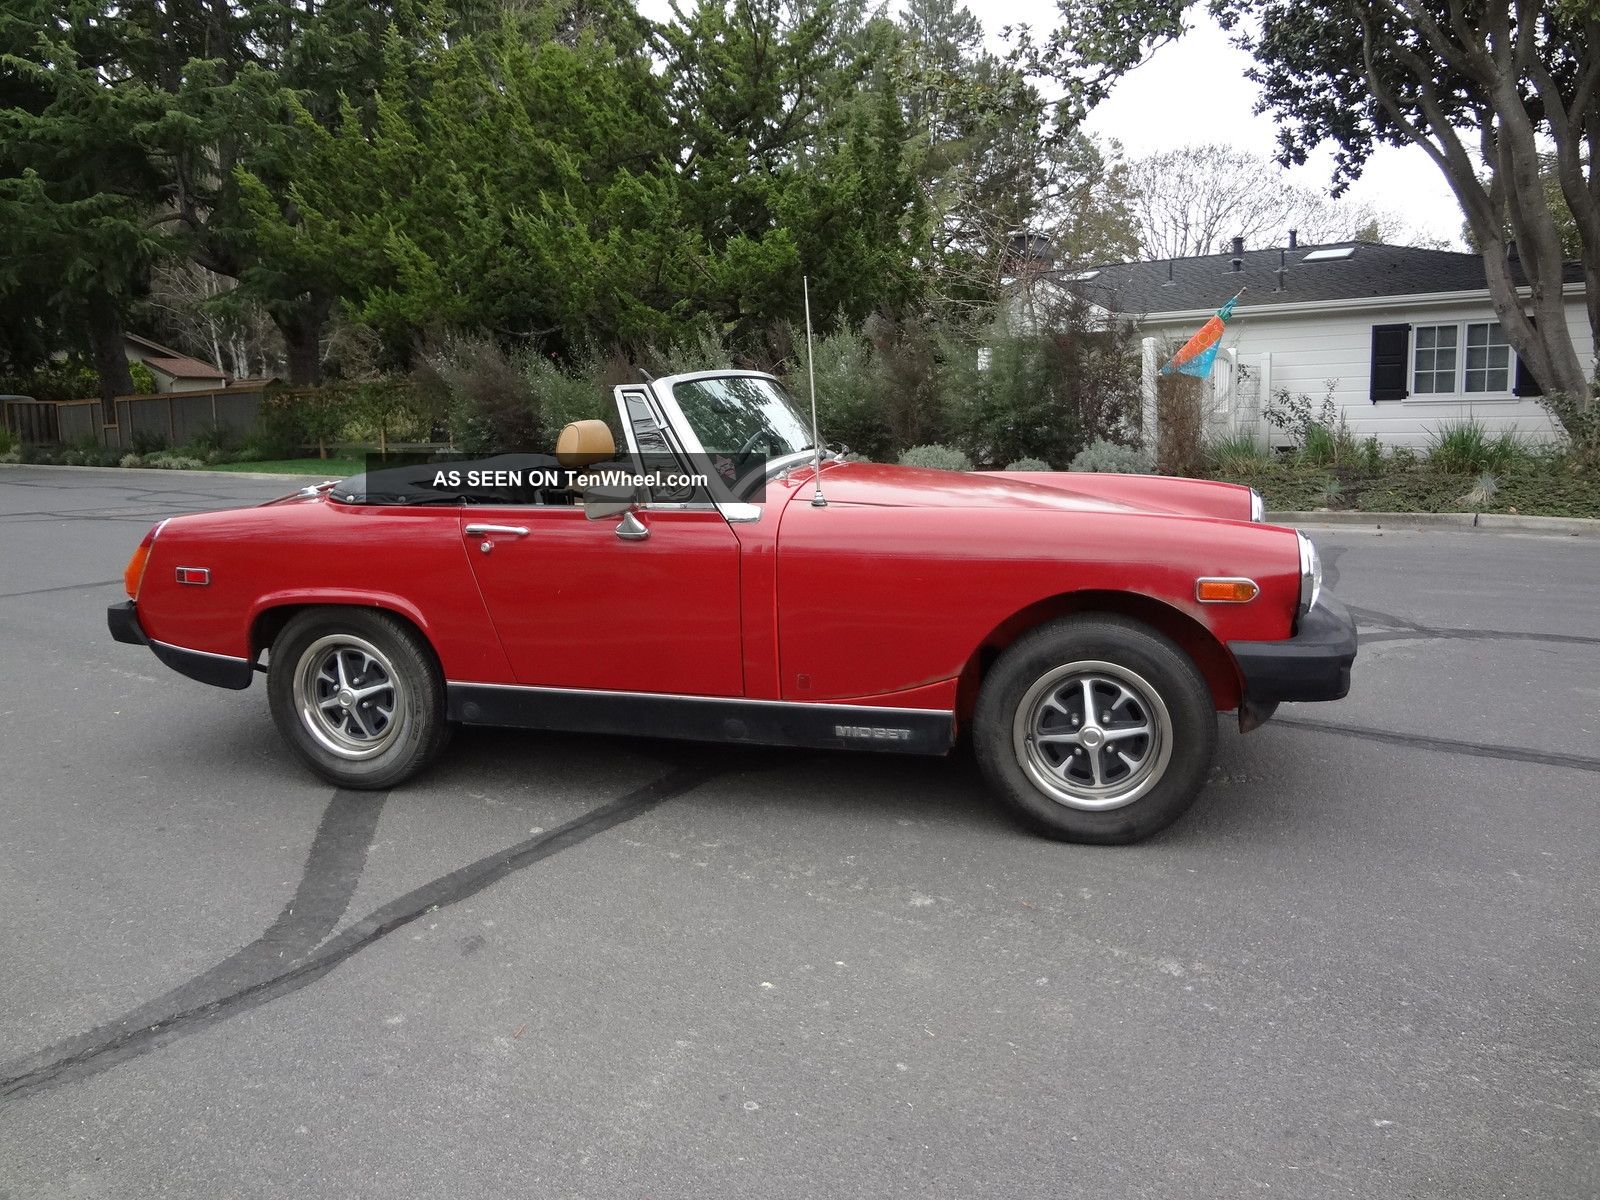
{"x": 268, "y": 621}
{"x": 1194, "y": 639}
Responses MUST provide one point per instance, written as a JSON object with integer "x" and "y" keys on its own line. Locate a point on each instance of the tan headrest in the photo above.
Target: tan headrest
{"x": 583, "y": 443}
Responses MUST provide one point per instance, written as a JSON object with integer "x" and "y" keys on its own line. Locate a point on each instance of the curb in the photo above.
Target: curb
{"x": 1571, "y": 526}
{"x": 305, "y": 480}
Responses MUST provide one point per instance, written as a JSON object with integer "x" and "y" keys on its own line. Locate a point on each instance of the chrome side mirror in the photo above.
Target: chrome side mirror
{"x": 601, "y": 502}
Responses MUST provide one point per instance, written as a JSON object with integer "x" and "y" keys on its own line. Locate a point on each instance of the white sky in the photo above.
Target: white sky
{"x": 1195, "y": 91}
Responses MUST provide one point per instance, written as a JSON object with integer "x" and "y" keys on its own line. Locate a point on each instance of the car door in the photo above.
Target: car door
{"x": 647, "y": 602}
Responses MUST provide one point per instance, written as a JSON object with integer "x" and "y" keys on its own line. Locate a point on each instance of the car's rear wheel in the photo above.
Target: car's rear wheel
{"x": 358, "y": 695}
{"x": 1095, "y": 729}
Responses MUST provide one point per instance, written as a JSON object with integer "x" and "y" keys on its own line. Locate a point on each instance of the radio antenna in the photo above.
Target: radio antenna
{"x": 818, "y": 500}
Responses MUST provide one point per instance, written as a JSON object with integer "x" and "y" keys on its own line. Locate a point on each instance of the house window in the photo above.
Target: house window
{"x": 1488, "y": 362}
{"x": 1472, "y": 358}
{"x": 1435, "y": 367}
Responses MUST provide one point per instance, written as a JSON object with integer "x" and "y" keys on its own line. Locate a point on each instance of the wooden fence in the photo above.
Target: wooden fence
{"x": 166, "y": 418}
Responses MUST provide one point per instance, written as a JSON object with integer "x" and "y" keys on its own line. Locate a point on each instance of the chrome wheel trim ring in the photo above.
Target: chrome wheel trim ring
{"x": 349, "y": 697}
{"x": 1092, "y": 735}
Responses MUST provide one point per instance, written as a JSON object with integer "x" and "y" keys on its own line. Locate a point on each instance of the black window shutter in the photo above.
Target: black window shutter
{"x": 1526, "y": 385}
{"x": 1391, "y": 355}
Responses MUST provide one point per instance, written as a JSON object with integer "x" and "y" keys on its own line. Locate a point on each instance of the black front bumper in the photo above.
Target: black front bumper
{"x": 1314, "y": 664}
{"x": 216, "y": 669}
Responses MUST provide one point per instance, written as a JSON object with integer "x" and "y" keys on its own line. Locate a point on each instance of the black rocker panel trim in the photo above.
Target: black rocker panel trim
{"x": 703, "y": 718}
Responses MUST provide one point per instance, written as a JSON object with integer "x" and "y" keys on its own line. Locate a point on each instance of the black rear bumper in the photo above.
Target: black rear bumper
{"x": 219, "y": 670}
{"x": 1314, "y": 664}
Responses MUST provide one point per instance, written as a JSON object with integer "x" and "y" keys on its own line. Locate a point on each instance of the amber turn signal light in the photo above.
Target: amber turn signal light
{"x": 133, "y": 575}
{"x": 1226, "y": 591}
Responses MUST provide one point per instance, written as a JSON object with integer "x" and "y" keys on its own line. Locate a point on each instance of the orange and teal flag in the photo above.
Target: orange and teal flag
{"x": 1200, "y": 351}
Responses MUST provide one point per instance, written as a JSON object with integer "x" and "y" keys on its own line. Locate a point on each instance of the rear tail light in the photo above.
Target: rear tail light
{"x": 133, "y": 576}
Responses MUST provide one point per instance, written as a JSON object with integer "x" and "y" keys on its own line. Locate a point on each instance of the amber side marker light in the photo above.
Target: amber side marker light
{"x": 133, "y": 576}
{"x": 1226, "y": 591}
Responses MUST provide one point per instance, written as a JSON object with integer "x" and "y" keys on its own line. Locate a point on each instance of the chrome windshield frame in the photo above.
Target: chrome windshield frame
{"x": 681, "y": 431}
{"x": 667, "y": 402}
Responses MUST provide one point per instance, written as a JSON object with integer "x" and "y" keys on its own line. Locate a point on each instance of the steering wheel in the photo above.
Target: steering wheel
{"x": 752, "y": 442}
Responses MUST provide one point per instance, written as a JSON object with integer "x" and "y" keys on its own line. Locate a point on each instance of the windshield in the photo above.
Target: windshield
{"x": 742, "y": 414}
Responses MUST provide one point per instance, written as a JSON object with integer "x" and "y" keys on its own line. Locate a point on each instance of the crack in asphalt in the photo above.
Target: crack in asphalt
{"x": 259, "y": 972}
{"x": 1576, "y": 762}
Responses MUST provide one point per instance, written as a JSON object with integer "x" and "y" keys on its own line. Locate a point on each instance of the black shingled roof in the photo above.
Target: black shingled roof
{"x": 1373, "y": 269}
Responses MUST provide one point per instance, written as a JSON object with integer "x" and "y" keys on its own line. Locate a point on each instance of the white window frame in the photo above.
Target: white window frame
{"x": 1459, "y": 393}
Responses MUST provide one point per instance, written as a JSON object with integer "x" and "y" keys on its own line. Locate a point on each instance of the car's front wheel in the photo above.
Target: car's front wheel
{"x": 1095, "y": 729}
{"x": 358, "y": 695}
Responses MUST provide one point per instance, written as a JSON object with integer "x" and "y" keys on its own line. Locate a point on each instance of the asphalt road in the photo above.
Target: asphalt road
{"x": 1364, "y": 965}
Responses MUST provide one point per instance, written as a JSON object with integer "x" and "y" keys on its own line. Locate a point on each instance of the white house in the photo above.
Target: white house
{"x": 1407, "y": 338}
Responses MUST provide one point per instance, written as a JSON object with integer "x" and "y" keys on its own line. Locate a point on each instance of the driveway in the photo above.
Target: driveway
{"x": 1363, "y": 965}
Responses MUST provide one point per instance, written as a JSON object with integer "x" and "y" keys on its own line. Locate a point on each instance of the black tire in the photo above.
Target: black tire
{"x": 385, "y": 661}
{"x": 1103, "y": 797}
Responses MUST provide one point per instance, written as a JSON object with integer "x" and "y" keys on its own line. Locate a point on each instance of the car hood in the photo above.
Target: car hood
{"x": 915, "y": 487}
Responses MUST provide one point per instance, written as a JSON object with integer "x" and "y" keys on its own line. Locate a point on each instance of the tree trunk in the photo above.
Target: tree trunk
{"x": 301, "y": 325}
{"x": 106, "y": 345}
{"x": 1529, "y": 214}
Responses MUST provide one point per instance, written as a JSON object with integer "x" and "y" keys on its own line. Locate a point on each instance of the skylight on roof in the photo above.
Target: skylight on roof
{"x": 1322, "y": 255}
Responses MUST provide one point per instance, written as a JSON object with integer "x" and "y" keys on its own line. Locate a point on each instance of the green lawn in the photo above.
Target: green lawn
{"x": 325, "y": 468}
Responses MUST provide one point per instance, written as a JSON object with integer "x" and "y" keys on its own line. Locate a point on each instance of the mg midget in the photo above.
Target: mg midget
{"x": 1083, "y": 630}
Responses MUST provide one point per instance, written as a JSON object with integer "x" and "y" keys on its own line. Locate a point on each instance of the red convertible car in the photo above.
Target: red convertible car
{"x": 1084, "y": 629}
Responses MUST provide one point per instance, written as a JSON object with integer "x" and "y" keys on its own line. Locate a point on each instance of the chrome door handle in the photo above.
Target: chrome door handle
{"x": 507, "y": 530}
{"x": 631, "y": 529}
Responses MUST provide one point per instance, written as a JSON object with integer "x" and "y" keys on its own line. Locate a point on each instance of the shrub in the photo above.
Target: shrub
{"x": 144, "y": 380}
{"x": 1465, "y": 447}
{"x": 1028, "y": 464}
{"x": 323, "y": 413}
{"x": 144, "y": 441}
{"x": 1238, "y": 454}
{"x": 580, "y": 394}
{"x": 1579, "y": 418}
{"x": 851, "y": 390}
{"x": 920, "y": 373}
{"x": 131, "y": 460}
{"x": 1482, "y": 493}
{"x": 1371, "y": 455}
{"x": 942, "y": 458}
{"x": 699, "y": 348}
{"x": 1289, "y": 412}
{"x": 169, "y": 461}
{"x": 1180, "y": 420}
{"x": 279, "y": 430}
{"x": 1010, "y": 408}
{"x": 493, "y": 408}
{"x": 1109, "y": 458}
{"x": 211, "y": 439}
{"x": 1319, "y": 448}
{"x": 290, "y": 420}
{"x": 60, "y": 379}
{"x": 1327, "y": 440}
{"x": 8, "y": 441}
